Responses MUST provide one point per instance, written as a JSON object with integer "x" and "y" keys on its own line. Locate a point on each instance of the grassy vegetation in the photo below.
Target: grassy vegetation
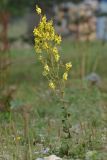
{"x": 87, "y": 105}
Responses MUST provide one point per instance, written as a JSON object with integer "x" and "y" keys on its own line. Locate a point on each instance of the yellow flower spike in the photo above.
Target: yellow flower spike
{"x": 38, "y": 10}
{"x": 47, "y": 41}
{"x": 46, "y": 68}
{"x": 51, "y": 85}
{"x": 68, "y": 66}
{"x": 65, "y": 76}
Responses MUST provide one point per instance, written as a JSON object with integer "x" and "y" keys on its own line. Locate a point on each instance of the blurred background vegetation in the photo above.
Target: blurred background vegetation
{"x": 27, "y": 106}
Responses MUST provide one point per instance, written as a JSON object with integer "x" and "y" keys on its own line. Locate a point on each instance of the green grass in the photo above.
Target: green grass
{"x": 86, "y": 105}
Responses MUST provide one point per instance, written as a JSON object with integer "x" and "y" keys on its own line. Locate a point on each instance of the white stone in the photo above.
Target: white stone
{"x": 52, "y": 157}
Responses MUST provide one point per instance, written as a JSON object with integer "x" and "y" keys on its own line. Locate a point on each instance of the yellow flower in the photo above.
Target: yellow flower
{"x": 44, "y": 19}
{"x": 58, "y": 39}
{"x": 65, "y": 76}
{"x": 18, "y": 138}
{"x": 55, "y": 50}
{"x": 45, "y": 45}
{"x": 68, "y": 66}
{"x": 51, "y": 85}
{"x": 57, "y": 57}
{"x": 36, "y": 32}
{"x": 38, "y": 50}
{"x": 46, "y": 68}
{"x": 38, "y": 10}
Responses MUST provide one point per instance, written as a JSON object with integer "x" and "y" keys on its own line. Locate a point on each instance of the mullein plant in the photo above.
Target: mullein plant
{"x": 47, "y": 43}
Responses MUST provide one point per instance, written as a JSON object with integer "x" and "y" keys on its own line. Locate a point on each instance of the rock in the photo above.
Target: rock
{"x": 19, "y": 44}
{"x": 92, "y": 3}
{"x": 61, "y": 27}
{"x": 91, "y": 155}
{"x": 44, "y": 151}
{"x": 92, "y": 36}
{"x": 52, "y": 157}
{"x": 77, "y": 21}
{"x": 94, "y": 79}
